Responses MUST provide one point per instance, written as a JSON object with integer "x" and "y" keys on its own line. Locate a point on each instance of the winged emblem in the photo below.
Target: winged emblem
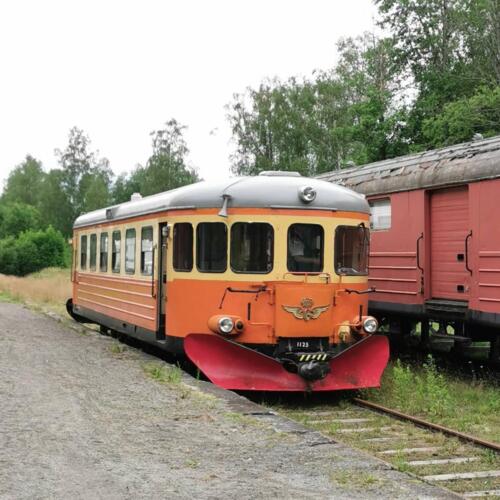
{"x": 306, "y": 311}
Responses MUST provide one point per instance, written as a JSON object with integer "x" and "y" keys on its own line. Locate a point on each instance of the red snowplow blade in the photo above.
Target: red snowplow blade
{"x": 233, "y": 366}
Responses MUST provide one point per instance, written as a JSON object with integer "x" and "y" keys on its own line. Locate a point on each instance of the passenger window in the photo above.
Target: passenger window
{"x": 130, "y": 251}
{"x": 116, "y": 251}
{"x": 147, "y": 250}
{"x": 380, "y": 214}
{"x": 305, "y": 248}
{"x": 252, "y": 247}
{"x": 352, "y": 245}
{"x": 103, "y": 253}
{"x": 211, "y": 247}
{"x": 83, "y": 253}
{"x": 183, "y": 247}
{"x": 93, "y": 251}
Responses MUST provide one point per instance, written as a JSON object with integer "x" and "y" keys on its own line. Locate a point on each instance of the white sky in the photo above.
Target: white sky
{"x": 119, "y": 69}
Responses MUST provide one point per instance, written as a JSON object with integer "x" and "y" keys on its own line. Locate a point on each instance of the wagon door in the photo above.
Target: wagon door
{"x": 449, "y": 223}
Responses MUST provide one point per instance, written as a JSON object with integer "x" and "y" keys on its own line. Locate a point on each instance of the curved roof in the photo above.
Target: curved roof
{"x": 263, "y": 191}
{"x": 462, "y": 163}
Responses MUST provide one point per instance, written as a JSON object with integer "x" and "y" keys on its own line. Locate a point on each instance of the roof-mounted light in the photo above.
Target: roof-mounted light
{"x": 307, "y": 194}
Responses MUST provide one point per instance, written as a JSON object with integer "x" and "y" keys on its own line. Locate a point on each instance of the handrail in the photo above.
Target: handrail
{"x": 153, "y": 272}
{"x": 421, "y": 237}
{"x": 467, "y": 252}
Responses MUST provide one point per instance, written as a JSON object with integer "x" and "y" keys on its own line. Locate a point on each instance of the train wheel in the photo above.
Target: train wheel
{"x": 104, "y": 330}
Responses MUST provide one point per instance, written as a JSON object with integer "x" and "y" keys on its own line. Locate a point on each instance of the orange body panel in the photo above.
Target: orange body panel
{"x": 121, "y": 298}
{"x": 192, "y": 302}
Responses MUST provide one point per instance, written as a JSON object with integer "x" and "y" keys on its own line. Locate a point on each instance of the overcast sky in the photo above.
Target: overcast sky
{"x": 119, "y": 69}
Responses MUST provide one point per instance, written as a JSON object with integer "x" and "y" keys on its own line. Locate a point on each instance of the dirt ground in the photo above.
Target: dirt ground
{"x": 80, "y": 419}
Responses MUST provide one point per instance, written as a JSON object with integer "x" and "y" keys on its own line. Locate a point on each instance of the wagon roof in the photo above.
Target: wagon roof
{"x": 458, "y": 164}
{"x": 271, "y": 190}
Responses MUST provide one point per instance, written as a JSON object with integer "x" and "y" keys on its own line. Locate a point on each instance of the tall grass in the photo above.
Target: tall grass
{"x": 50, "y": 287}
{"x": 426, "y": 391}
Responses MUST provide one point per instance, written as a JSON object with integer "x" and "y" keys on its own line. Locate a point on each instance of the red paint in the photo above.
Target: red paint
{"x": 393, "y": 252}
{"x": 449, "y": 226}
{"x": 233, "y": 366}
{"x": 444, "y": 217}
{"x": 484, "y": 246}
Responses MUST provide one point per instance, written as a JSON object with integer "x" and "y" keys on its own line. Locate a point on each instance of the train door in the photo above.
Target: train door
{"x": 162, "y": 279}
{"x": 449, "y": 225}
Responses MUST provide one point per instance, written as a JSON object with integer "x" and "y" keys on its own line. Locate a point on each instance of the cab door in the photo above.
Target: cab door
{"x": 162, "y": 279}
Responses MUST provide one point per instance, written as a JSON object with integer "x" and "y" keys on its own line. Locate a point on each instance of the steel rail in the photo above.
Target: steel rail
{"x": 428, "y": 425}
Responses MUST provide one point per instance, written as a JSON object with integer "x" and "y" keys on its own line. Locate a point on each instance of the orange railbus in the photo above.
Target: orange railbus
{"x": 260, "y": 281}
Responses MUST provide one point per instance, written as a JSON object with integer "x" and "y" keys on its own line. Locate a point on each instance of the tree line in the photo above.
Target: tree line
{"x": 432, "y": 79}
{"x": 38, "y": 207}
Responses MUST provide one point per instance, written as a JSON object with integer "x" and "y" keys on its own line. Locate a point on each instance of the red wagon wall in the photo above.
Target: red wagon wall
{"x": 394, "y": 270}
{"x": 407, "y": 275}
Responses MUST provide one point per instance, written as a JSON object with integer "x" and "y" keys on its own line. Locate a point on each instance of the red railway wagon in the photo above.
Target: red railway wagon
{"x": 260, "y": 281}
{"x": 435, "y": 239}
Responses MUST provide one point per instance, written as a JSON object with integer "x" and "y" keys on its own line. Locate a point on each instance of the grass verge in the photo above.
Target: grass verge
{"x": 468, "y": 406}
{"x": 168, "y": 374}
{"x": 49, "y": 288}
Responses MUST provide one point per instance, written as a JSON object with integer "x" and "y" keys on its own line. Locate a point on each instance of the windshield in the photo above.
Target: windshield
{"x": 305, "y": 248}
{"x": 352, "y": 245}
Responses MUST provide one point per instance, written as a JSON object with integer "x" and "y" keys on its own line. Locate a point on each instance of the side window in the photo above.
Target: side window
{"x": 93, "y": 250}
{"x": 252, "y": 247}
{"x": 183, "y": 247}
{"x": 211, "y": 247}
{"x": 103, "y": 253}
{"x": 380, "y": 214}
{"x": 116, "y": 251}
{"x": 130, "y": 251}
{"x": 305, "y": 248}
{"x": 352, "y": 246}
{"x": 147, "y": 250}
{"x": 83, "y": 253}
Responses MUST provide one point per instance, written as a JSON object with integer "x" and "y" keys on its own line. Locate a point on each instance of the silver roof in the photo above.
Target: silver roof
{"x": 263, "y": 191}
{"x": 467, "y": 162}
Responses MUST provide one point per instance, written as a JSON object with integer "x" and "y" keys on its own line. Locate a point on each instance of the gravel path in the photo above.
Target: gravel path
{"x": 80, "y": 420}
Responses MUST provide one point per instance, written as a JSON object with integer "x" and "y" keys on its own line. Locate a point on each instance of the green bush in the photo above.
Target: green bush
{"x": 16, "y": 218}
{"x": 32, "y": 251}
{"x": 8, "y": 256}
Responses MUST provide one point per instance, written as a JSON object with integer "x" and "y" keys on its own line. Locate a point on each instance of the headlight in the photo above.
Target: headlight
{"x": 370, "y": 325}
{"x": 226, "y": 325}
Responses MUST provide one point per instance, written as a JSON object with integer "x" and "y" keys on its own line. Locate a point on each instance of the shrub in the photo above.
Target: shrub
{"x": 8, "y": 256}
{"x": 32, "y": 251}
{"x": 16, "y": 218}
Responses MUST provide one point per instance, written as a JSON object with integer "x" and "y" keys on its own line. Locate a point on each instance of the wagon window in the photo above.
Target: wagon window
{"x": 183, "y": 247}
{"x": 211, "y": 247}
{"x": 83, "y": 252}
{"x": 116, "y": 251}
{"x": 305, "y": 248}
{"x": 103, "y": 253}
{"x": 93, "y": 251}
{"x": 380, "y": 214}
{"x": 252, "y": 247}
{"x": 130, "y": 251}
{"x": 147, "y": 250}
{"x": 352, "y": 244}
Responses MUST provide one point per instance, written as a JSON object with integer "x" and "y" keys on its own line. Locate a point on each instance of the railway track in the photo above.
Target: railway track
{"x": 462, "y": 463}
